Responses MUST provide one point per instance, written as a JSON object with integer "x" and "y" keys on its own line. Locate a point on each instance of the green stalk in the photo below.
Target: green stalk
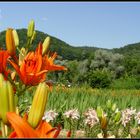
{"x": 18, "y": 49}
{"x": 3, "y": 130}
{"x": 104, "y": 133}
{"x": 28, "y": 43}
{"x": 11, "y": 81}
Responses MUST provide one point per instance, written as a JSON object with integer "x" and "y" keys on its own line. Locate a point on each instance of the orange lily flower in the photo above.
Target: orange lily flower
{"x": 35, "y": 66}
{"x": 48, "y": 63}
{"x": 22, "y": 129}
{"x": 3, "y": 61}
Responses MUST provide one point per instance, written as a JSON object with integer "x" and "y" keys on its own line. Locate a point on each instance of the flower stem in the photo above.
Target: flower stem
{"x": 11, "y": 81}
{"x": 3, "y": 130}
{"x": 28, "y": 43}
{"x": 104, "y": 133}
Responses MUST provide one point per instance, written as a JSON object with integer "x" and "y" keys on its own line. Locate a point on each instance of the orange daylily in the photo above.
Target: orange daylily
{"x": 35, "y": 66}
{"x": 3, "y": 61}
{"x": 22, "y": 129}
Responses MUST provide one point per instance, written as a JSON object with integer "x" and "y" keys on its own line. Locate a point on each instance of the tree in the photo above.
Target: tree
{"x": 107, "y": 60}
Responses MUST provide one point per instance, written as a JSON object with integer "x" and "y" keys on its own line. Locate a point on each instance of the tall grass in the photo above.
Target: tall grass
{"x": 63, "y": 99}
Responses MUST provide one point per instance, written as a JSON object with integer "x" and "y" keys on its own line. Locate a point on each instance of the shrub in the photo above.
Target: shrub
{"x": 99, "y": 79}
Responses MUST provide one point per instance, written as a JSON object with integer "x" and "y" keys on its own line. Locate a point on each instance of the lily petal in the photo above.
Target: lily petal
{"x": 45, "y": 130}
{"x": 3, "y": 61}
{"x": 16, "y": 67}
{"x": 21, "y": 127}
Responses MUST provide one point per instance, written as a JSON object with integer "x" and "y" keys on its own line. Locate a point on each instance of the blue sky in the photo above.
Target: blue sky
{"x": 100, "y": 24}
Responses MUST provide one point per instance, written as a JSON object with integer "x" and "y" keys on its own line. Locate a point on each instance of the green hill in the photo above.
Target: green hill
{"x": 129, "y": 50}
{"x": 62, "y": 48}
{"x": 70, "y": 52}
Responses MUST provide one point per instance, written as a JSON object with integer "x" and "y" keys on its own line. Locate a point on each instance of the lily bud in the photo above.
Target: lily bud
{"x": 117, "y": 116}
{"x": 113, "y": 107}
{"x": 11, "y": 97}
{"x": 1, "y": 80}
{"x": 38, "y": 105}
{"x": 10, "y": 43}
{"x": 46, "y": 45}
{"x": 109, "y": 104}
{"x": 31, "y": 28}
{"x": 33, "y": 37}
{"x": 99, "y": 112}
{"x": 16, "y": 38}
{"x": 104, "y": 122}
{"x": 7, "y": 100}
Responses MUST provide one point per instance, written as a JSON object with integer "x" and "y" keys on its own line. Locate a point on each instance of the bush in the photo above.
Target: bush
{"x": 126, "y": 83}
{"x": 99, "y": 79}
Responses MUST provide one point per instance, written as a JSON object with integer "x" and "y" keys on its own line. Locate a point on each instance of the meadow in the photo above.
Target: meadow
{"x": 63, "y": 99}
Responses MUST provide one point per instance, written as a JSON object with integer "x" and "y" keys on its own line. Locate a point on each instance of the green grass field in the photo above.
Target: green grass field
{"x": 83, "y": 98}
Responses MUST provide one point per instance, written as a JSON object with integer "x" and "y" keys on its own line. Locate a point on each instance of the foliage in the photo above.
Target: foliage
{"x": 107, "y": 60}
{"x": 126, "y": 82}
{"x": 99, "y": 79}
